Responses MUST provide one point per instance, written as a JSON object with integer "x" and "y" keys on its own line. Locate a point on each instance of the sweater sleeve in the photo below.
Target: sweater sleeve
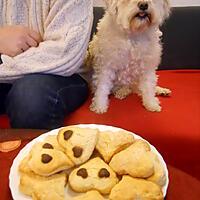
{"x": 66, "y": 35}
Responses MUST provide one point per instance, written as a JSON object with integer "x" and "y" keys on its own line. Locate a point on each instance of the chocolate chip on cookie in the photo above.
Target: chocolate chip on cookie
{"x": 104, "y": 173}
{"x": 67, "y": 134}
{"x": 47, "y": 146}
{"x": 82, "y": 172}
{"x": 77, "y": 151}
{"x": 46, "y": 158}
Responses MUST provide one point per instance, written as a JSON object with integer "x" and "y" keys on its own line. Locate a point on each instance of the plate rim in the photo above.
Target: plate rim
{"x": 25, "y": 150}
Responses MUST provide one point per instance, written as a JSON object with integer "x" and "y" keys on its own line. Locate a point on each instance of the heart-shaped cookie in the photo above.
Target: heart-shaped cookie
{"x": 45, "y": 160}
{"x": 79, "y": 143}
{"x": 110, "y": 143}
{"x": 134, "y": 188}
{"x": 93, "y": 175}
{"x": 136, "y": 160}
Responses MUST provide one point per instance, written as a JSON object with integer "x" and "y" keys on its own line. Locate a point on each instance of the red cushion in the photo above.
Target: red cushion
{"x": 175, "y": 131}
{"x": 4, "y": 122}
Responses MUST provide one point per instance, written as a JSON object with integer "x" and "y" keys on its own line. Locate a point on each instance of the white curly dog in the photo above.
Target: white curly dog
{"x": 126, "y": 52}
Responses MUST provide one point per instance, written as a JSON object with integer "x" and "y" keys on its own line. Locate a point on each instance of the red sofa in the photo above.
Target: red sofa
{"x": 175, "y": 131}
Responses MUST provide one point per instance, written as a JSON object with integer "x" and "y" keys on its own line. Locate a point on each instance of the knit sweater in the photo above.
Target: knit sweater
{"x": 65, "y": 27}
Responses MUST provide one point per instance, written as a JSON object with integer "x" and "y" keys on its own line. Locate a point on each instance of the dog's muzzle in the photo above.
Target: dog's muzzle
{"x": 143, "y": 15}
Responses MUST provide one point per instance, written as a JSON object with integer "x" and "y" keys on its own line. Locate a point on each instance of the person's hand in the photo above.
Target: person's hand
{"x": 17, "y": 39}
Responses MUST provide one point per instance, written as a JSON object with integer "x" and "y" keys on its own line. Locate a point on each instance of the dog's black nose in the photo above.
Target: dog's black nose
{"x": 143, "y": 6}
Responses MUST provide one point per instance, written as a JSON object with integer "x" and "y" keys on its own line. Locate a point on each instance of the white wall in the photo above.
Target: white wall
{"x": 173, "y": 2}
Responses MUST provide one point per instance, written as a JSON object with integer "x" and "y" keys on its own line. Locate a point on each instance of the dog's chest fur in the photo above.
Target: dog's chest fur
{"x": 139, "y": 51}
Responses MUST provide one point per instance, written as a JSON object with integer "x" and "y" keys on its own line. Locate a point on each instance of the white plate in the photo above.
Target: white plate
{"x": 14, "y": 177}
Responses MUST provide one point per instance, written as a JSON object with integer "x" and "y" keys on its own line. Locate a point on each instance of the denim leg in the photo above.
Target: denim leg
{"x": 4, "y": 89}
{"x": 42, "y": 101}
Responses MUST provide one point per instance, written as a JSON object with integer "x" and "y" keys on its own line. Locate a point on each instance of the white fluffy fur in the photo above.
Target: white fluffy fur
{"x": 126, "y": 52}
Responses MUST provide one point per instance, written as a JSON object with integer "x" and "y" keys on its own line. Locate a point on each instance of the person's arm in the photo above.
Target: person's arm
{"x": 16, "y": 39}
{"x": 64, "y": 45}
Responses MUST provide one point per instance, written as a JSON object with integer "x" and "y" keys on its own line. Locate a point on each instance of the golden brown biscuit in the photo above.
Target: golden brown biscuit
{"x": 24, "y": 167}
{"x": 91, "y": 195}
{"x": 49, "y": 192}
{"x": 79, "y": 143}
{"x": 52, "y": 140}
{"x": 159, "y": 176}
{"x": 110, "y": 143}
{"x": 40, "y": 187}
{"x": 48, "y": 161}
{"x": 136, "y": 161}
{"x": 93, "y": 175}
{"x": 133, "y": 189}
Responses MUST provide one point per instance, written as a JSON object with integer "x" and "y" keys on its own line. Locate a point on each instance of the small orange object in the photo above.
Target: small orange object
{"x": 9, "y": 146}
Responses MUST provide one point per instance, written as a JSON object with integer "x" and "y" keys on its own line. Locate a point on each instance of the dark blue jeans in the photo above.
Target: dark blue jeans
{"x": 42, "y": 101}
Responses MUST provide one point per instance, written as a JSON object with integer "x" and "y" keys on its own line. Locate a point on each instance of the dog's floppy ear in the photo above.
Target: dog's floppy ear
{"x": 111, "y": 6}
{"x": 166, "y": 5}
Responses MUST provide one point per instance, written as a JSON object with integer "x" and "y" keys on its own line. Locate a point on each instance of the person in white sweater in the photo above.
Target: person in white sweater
{"x": 42, "y": 45}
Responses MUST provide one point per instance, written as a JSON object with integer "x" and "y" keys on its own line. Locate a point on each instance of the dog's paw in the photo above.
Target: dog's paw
{"x": 154, "y": 108}
{"x": 163, "y": 91}
{"x": 153, "y": 105}
{"x": 97, "y": 108}
{"x": 122, "y": 93}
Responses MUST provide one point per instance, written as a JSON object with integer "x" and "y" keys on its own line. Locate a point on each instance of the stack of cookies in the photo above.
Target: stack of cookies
{"x": 96, "y": 163}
